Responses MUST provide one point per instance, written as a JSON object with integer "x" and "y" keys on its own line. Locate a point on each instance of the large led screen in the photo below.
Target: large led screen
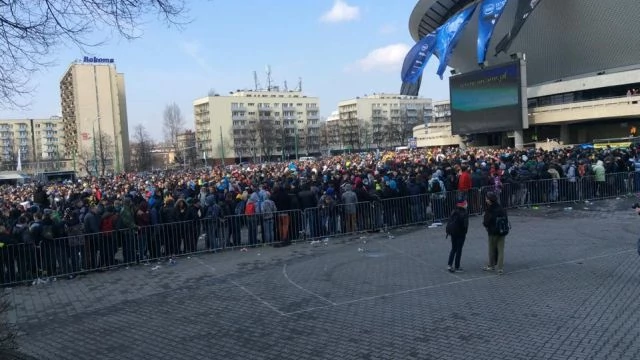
{"x": 488, "y": 100}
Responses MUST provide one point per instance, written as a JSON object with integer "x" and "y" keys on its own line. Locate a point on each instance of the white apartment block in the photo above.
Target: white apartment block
{"x": 37, "y": 143}
{"x": 93, "y": 102}
{"x": 378, "y": 121}
{"x": 252, "y": 125}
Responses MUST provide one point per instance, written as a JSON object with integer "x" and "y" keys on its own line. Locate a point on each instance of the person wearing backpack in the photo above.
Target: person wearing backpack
{"x": 268, "y": 213}
{"x": 457, "y": 227}
{"x": 251, "y": 219}
{"x": 438, "y": 193}
{"x": 497, "y": 224}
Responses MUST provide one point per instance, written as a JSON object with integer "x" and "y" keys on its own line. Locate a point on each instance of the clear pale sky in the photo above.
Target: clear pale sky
{"x": 341, "y": 49}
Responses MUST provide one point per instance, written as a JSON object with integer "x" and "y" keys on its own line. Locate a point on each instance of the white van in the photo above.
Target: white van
{"x": 307, "y": 158}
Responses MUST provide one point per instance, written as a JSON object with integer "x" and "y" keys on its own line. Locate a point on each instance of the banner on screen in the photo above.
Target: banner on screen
{"x": 525, "y": 8}
{"x": 417, "y": 58}
{"x": 490, "y": 12}
{"x": 448, "y": 35}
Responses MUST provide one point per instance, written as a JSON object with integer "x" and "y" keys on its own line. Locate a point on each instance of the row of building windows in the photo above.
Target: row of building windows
{"x": 272, "y": 105}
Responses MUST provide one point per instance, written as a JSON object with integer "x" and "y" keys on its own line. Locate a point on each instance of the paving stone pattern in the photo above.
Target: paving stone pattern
{"x": 570, "y": 292}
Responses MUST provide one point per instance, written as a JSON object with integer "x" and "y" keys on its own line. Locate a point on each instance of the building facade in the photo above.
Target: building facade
{"x": 378, "y": 121}
{"x": 580, "y": 80}
{"x": 437, "y": 132}
{"x": 37, "y": 143}
{"x": 94, "y": 112}
{"x": 257, "y": 125}
{"x": 187, "y": 149}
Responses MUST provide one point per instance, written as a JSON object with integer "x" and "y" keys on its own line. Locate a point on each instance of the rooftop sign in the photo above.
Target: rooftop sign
{"x": 89, "y": 59}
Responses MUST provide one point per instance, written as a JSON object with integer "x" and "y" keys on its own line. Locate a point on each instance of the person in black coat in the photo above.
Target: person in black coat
{"x": 496, "y": 240}
{"x": 457, "y": 227}
{"x": 283, "y": 204}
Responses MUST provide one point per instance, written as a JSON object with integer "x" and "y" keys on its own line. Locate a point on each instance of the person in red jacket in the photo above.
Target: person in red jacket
{"x": 464, "y": 182}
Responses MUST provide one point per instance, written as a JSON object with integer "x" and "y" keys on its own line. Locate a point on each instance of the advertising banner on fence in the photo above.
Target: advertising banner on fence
{"x": 525, "y": 8}
{"x": 417, "y": 58}
{"x": 490, "y": 12}
{"x": 448, "y": 35}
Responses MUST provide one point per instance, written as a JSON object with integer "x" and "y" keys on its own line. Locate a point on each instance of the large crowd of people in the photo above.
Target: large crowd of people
{"x": 65, "y": 228}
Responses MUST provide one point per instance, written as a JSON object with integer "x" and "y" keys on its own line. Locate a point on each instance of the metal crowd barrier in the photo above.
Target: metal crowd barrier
{"x": 71, "y": 255}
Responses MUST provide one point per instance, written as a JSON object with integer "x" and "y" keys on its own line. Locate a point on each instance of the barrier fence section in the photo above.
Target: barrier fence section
{"x": 33, "y": 259}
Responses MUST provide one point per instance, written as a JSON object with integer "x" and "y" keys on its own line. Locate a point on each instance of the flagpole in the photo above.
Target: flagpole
{"x": 95, "y": 151}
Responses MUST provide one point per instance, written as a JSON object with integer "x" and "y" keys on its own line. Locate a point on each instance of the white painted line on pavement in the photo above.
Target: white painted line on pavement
{"x": 459, "y": 282}
{"x": 243, "y": 289}
{"x": 257, "y": 297}
{"x": 286, "y": 276}
{"x": 419, "y": 260}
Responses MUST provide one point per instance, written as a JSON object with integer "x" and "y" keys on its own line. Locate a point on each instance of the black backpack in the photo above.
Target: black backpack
{"x": 455, "y": 224}
{"x": 435, "y": 186}
{"x": 502, "y": 226}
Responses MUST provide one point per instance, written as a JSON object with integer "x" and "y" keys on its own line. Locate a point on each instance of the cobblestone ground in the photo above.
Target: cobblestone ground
{"x": 570, "y": 292}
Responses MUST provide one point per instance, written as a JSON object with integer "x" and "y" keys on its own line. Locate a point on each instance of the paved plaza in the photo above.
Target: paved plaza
{"x": 570, "y": 291}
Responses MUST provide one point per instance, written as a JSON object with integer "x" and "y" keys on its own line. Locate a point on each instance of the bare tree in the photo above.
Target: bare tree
{"x": 142, "y": 145}
{"x": 105, "y": 150}
{"x": 98, "y": 158}
{"x": 266, "y": 134}
{"x": 253, "y": 138}
{"x": 31, "y": 30}
{"x": 172, "y": 124}
{"x": 86, "y": 161}
{"x": 350, "y": 133}
{"x": 324, "y": 140}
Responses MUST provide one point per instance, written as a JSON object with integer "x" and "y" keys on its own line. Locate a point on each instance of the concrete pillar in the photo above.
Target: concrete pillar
{"x": 564, "y": 134}
{"x": 518, "y": 139}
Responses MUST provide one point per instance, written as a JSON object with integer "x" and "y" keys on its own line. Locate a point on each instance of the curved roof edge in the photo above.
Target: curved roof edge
{"x": 430, "y": 14}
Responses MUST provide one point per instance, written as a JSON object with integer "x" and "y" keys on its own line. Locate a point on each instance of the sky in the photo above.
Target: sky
{"x": 340, "y": 49}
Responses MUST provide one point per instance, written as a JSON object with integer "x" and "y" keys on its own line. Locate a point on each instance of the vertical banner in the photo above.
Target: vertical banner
{"x": 449, "y": 34}
{"x": 411, "y": 89}
{"x": 417, "y": 58}
{"x": 525, "y": 8}
{"x": 490, "y": 12}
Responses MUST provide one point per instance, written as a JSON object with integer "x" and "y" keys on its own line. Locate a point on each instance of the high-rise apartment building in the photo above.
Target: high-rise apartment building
{"x": 94, "y": 113}
{"x": 380, "y": 120}
{"x": 257, "y": 125}
{"x": 37, "y": 143}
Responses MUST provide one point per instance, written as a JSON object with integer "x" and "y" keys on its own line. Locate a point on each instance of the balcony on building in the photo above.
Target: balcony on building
{"x": 617, "y": 107}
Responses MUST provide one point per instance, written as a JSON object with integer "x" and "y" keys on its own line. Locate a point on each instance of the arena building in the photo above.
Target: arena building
{"x": 583, "y": 68}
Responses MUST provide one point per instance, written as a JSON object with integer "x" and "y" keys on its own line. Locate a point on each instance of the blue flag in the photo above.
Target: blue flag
{"x": 490, "y": 12}
{"x": 417, "y": 58}
{"x": 448, "y": 35}
{"x": 525, "y": 8}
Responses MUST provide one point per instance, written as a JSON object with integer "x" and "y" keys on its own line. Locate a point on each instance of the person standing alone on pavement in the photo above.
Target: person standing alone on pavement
{"x": 457, "y": 227}
{"x": 497, "y": 224}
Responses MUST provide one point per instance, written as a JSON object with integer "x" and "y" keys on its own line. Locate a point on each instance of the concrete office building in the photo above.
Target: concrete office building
{"x": 248, "y": 125}
{"x": 380, "y": 120}
{"x": 93, "y": 102}
{"x": 36, "y": 142}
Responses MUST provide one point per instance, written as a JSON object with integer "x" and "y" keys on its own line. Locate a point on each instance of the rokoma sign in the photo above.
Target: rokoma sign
{"x": 89, "y": 59}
